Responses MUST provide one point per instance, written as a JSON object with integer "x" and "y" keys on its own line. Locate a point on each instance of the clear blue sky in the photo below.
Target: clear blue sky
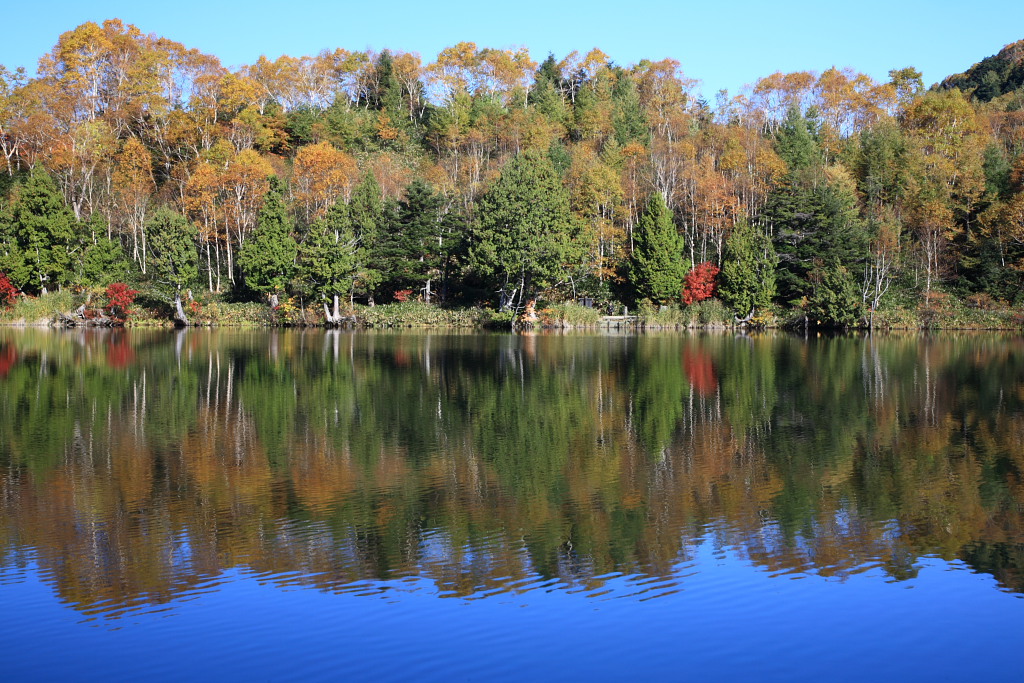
{"x": 726, "y": 44}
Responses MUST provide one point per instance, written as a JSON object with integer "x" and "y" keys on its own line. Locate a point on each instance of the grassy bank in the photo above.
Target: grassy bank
{"x": 941, "y": 313}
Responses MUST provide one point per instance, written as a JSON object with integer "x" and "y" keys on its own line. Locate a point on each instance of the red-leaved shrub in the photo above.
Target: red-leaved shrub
{"x": 700, "y": 283}
{"x": 120, "y": 297}
{"x": 7, "y": 290}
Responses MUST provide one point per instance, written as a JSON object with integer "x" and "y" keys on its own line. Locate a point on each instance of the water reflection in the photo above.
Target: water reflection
{"x": 137, "y": 468}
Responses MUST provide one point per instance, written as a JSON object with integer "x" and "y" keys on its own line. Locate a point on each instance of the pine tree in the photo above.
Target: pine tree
{"x": 835, "y": 301}
{"x": 546, "y": 93}
{"x": 174, "y": 260}
{"x": 747, "y": 280}
{"x": 43, "y": 230}
{"x": 267, "y": 258}
{"x": 369, "y": 217}
{"x": 104, "y": 263}
{"x": 328, "y": 258}
{"x": 658, "y": 265}
{"x": 526, "y": 235}
{"x": 414, "y": 252}
{"x": 628, "y": 118}
{"x": 796, "y": 142}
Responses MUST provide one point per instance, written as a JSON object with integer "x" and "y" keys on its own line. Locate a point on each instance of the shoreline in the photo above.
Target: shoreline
{"x": 634, "y": 328}
{"x": 557, "y": 317}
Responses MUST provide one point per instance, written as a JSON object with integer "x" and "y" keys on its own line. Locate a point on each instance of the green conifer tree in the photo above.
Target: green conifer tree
{"x": 369, "y": 216}
{"x": 43, "y": 228}
{"x": 173, "y": 255}
{"x": 658, "y": 265}
{"x": 835, "y": 301}
{"x": 628, "y": 117}
{"x": 747, "y": 281}
{"x": 328, "y": 258}
{"x": 526, "y": 236}
{"x": 267, "y": 258}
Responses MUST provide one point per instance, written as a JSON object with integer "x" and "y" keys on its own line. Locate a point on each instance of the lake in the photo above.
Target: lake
{"x": 435, "y": 506}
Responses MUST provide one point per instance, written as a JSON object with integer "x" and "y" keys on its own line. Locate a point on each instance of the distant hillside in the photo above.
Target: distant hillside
{"x": 993, "y": 76}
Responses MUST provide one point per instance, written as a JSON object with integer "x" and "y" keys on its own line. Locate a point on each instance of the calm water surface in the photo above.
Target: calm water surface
{"x": 297, "y": 505}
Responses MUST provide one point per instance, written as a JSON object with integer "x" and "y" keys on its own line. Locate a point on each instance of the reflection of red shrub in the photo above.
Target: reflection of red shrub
{"x": 119, "y": 352}
{"x": 8, "y": 357}
{"x": 700, "y": 371}
{"x": 7, "y": 290}
{"x": 700, "y": 283}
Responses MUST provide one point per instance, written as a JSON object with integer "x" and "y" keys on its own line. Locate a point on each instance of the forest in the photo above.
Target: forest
{"x": 488, "y": 179}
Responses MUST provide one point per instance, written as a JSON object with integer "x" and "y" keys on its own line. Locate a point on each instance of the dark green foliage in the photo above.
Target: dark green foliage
{"x": 421, "y": 243}
{"x": 384, "y": 92}
{"x": 12, "y": 260}
{"x": 526, "y": 236}
{"x": 370, "y": 217}
{"x": 329, "y": 254}
{"x": 560, "y": 158}
{"x": 546, "y": 93}
{"x": 42, "y": 228}
{"x": 104, "y": 262}
{"x": 173, "y": 260}
{"x": 982, "y": 269}
{"x": 628, "y": 118}
{"x": 813, "y": 221}
{"x": 880, "y": 165}
{"x": 998, "y": 171}
{"x": 267, "y": 258}
{"x": 993, "y": 76}
{"x": 366, "y": 210}
{"x": 585, "y": 110}
{"x": 796, "y": 142}
{"x": 835, "y": 300}
{"x": 300, "y": 126}
{"x": 747, "y": 280}
{"x": 349, "y": 128}
{"x": 658, "y": 264}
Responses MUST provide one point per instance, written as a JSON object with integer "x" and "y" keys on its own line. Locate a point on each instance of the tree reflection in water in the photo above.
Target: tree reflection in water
{"x": 138, "y": 466}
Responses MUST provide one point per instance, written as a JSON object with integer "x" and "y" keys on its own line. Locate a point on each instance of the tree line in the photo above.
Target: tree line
{"x": 485, "y": 177}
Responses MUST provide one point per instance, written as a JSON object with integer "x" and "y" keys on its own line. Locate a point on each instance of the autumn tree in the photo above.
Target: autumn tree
{"x": 322, "y": 175}
{"x": 700, "y": 283}
{"x": 244, "y": 182}
{"x": 947, "y": 176}
{"x": 133, "y": 187}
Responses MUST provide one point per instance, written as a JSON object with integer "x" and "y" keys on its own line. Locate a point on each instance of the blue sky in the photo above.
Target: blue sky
{"x": 726, "y": 44}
